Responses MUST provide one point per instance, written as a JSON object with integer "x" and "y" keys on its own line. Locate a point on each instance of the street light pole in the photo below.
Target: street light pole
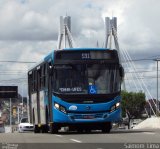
{"x": 10, "y": 115}
{"x": 157, "y": 101}
{"x": 157, "y": 87}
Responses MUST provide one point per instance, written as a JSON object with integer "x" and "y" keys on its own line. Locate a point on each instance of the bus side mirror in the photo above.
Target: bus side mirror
{"x": 121, "y": 72}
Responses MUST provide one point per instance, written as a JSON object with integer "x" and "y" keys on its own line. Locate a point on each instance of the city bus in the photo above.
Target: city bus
{"x": 77, "y": 88}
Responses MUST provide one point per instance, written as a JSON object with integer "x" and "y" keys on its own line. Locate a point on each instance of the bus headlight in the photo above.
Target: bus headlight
{"x": 115, "y": 106}
{"x": 60, "y": 107}
{"x": 118, "y": 105}
{"x": 56, "y": 105}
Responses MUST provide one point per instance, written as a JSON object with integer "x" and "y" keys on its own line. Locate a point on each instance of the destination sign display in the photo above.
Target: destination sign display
{"x": 86, "y": 55}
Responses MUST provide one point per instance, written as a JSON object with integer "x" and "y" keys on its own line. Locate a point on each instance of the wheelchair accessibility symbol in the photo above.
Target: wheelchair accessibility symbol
{"x": 92, "y": 89}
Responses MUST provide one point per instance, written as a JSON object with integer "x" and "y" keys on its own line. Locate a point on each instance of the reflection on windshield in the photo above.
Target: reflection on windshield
{"x": 87, "y": 79}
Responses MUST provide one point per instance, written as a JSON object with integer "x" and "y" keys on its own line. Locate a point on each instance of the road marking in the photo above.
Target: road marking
{"x": 59, "y": 135}
{"x": 76, "y": 140}
{"x": 149, "y": 133}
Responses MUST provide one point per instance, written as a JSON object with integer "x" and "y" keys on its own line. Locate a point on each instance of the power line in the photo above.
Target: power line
{"x": 17, "y": 62}
{"x": 141, "y": 59}
{"x": 18, "y": 79}
{"x": 123, "y": 61}
{"x": 141, "y": 71}
{"x": 5, "y": 73}
{"x": 148, "y": 77}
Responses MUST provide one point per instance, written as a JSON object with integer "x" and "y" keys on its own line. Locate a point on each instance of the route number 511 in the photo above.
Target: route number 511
{"x": 85, "y": 55}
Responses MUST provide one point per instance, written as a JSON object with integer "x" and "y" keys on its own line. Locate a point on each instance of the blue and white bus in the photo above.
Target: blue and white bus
{"x": 78, "y": 88}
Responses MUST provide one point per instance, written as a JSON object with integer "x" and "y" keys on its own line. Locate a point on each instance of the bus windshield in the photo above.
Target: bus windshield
{"x": 87, "y": 79}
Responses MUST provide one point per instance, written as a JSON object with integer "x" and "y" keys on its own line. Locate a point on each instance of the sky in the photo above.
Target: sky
{"x": 29, "y": 30}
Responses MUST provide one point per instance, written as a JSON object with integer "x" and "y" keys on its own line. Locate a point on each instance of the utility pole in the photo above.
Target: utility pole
{"x": 157, "y": 88}
{"x": 10, "y": 117}
{"x": 157, "y": 101}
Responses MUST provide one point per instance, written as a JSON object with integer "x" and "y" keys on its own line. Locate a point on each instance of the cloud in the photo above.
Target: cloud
{"x": 141, "y": 28}
{"x": 29, "y": 28}
{"x": 20, "y": 22}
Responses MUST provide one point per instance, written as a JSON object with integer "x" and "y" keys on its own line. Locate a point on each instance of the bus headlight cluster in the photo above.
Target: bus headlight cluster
{"x": 114, "y": 107}
{"x": 60, "y": 107}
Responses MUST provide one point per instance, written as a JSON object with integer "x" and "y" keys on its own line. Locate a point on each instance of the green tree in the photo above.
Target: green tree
{"x": 133, "y": 102}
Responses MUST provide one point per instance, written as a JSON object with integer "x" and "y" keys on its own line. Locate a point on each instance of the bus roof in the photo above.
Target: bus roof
{"x": 85, "y": 49}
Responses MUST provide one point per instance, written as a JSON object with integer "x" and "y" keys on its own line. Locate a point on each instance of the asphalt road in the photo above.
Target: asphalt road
{"x": 94, "y": 140}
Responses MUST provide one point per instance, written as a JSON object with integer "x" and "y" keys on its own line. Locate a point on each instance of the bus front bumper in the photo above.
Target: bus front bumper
{"x": 60, "y": 117}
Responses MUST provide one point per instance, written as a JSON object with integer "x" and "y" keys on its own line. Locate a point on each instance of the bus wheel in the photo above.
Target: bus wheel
{"x": 36, "y": 129}
{"x": 45, "y": 129}
{"x": 88, "y": 130}
{"x": 106, "y": 128}
{"x": 80, "y": 130}
{"x": 53, "y": 129}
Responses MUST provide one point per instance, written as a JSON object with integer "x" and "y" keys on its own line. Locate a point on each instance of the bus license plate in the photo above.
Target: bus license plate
{"x": 88, "y": 116}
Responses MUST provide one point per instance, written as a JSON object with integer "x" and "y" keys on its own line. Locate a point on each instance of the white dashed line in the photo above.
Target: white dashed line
{"x": 59, "y": 135}
{"x": 149, "y": 133}
{"x": 76, "y": 140}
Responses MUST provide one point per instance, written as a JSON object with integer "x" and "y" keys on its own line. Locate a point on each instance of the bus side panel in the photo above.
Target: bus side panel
{"x": 42, "y": 108}
{"x": 34, "y": 108}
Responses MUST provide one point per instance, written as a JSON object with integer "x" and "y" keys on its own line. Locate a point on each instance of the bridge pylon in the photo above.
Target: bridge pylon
{"x": 110, "y": 36}
{"x": 65, "y": 38}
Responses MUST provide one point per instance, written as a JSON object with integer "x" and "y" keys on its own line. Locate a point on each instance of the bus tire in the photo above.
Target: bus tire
{"x": 53, "y": 129}
{"x": 87, "y": 130}
{"x": 45, "y": 128}
{"x": 36, "y": 129}
{"x": 106, "y": 128}
{"x": 80, "y": 130}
